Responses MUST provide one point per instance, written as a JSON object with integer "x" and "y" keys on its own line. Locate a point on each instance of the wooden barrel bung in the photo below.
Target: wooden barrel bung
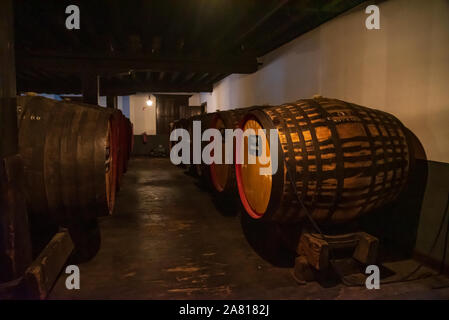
{"x": 344, "y": 160}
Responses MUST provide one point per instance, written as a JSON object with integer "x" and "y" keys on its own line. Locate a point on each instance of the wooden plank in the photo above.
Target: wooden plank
{"x": 15, "y": 245}
{"x": 104, "y": 65}
{"x": 121, "y": 88}
{"x": 367, "y": 248}
{"x": 168, "y": 109}
{"x": 302, "y": 272}
{"x": 90, "y": 88}
{"x": 43, "y": 272}
{"x": 316, "y": 251}
{"x": 112, "y": 87}
{"x": 7, "y": 64}
{"x": 111, "y": 102}
{"x": 8, "y": 124}
{"x": 279, "y": 5}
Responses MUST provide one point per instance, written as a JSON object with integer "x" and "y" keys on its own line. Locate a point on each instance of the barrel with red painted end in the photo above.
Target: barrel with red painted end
{"x": 343, "y": 159}
{"x": 119, "y": 141}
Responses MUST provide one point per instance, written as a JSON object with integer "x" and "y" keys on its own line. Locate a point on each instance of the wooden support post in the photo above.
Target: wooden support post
{"x": 90, "y": 88}
{"x": 111, "y": 102}
{"x": 15, "y": 244}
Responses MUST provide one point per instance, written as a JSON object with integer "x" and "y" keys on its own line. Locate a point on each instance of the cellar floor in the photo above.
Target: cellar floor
{"x": 168, "y": 240}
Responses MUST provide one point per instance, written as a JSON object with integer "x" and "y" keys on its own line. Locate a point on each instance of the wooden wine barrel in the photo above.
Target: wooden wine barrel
{"x": 177, "y": 124}
{"x": 67, "y": 151}
{"x": 118, "y": 140}
{"x": 202, "y": 169}
{"x": 194, "y": 168}
{"x": 132, "y": 139}
{"x": 344, "y": 159}
{"x": 171, "y": 128}
{"x": 121, "y": 137}
{"x": 223, "y": 175}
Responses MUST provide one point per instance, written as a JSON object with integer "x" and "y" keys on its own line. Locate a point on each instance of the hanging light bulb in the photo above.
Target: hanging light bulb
{"x": 149, "y": 102}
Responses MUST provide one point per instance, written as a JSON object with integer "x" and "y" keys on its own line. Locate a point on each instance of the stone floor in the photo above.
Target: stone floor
{"x": 168, "y": 240}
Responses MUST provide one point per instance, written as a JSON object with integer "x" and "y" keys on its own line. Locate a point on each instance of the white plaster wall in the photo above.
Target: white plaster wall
{"x": 403, "y": 68}
{"x": 120, "y": 103}
{"x": 142, "y": 116}
{"x": 194, "y": 100}
{"x": 102, "y": 101}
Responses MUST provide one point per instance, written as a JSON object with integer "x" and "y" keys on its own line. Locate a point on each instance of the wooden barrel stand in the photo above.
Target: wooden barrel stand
{"x": 316, "y": 253}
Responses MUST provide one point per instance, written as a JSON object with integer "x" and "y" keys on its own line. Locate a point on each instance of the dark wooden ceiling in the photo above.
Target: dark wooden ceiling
{"x": 155, "y": 46}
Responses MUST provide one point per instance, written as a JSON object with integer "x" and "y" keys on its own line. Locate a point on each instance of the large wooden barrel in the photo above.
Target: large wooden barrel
{"x": 67, "y": 151}
{"x": 177, "y": 124}
{"x": 193, "y": 168}
{"x": 344, "y": 160}
{"x": 223, "y": 175}
{"x": 119, "y": 140}
{"x": 202, "y": 169}
{"x": 132, "y": 139}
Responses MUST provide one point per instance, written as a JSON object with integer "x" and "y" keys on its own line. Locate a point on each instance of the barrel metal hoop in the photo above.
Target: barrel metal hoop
{"x": 386, "y": 166}
{"x": 402, "y": 143}
{"x": 373, "y": 153}
{"x": 385, "y": 155}
{"x": 339, "y": 157}
{"x": 291, "y": 155}
{"x": 305, "y": 156}
{"x": 394, "y": 182}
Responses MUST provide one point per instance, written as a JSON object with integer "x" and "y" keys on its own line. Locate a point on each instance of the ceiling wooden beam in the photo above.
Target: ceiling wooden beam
{"x": 127, "y": 88}
{"x": 109, "y": 87}
{"x": 261, "y": 21}
{"x": 112, "y": 65}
